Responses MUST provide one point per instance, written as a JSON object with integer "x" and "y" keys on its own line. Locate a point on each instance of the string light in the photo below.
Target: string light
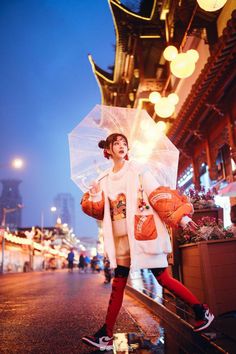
{"x": 27, "y": 241}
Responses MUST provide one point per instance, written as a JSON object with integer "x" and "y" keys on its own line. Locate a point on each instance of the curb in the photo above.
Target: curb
{"x": 182, "y": 330}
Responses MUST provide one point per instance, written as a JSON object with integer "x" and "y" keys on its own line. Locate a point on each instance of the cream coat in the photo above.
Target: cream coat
{"x": 144, "y": 254}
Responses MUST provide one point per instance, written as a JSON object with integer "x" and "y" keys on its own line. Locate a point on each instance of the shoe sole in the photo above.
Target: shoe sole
{"x": 92, "y": 344}
{"x": 206, "y": 325}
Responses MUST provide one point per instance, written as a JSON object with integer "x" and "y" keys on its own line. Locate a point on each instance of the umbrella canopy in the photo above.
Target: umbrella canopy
{"x": 228, "y": 191}
{"x": 146, "y": 143}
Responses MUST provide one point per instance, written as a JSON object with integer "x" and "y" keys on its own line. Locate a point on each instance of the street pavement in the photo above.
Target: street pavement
{"x": 49, "y": 312}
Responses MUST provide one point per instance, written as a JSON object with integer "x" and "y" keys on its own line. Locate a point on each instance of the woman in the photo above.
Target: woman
{"x": 134, "y": 209}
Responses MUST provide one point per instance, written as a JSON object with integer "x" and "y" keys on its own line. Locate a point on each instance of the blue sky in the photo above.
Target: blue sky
{"x": 46, "y": 87}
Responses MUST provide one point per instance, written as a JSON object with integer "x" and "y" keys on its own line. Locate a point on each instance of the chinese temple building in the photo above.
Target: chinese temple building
{"x": 202, "y": 123}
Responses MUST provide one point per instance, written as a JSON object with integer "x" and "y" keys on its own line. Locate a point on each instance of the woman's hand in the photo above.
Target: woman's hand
{"x": 94, "y": 187}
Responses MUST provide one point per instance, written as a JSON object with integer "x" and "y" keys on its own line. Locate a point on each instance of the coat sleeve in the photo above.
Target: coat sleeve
{"x": 170, "y": 205}
{"x": 172, "y": 208}
{"x": 93, "y": 208}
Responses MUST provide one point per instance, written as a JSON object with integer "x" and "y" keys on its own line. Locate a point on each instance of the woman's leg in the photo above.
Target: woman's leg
{"x": 103, "y": 338}
{"x": 119, "y": 282}
{"x": 174, "y": 286}
{"x": 116, "y": 298}
{"x": 203, "y": 315}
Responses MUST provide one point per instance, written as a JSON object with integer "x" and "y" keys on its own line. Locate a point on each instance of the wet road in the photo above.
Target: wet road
{"x": 49, "y": 312}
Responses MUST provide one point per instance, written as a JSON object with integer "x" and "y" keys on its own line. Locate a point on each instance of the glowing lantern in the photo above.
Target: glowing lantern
{"x": 136, "y": 73}
{"x": 163, "y": 108}
{"x": 154, "y": 97}
{"x": 193, "y": 54}
{"x": 161, "y": 126}
{"x": 173, "y": 98}
{"x": 182, "y": 66}
{"x": 170, "y": 53}
{"x": 131, "y": 96}
{"x": 211, "y": 5}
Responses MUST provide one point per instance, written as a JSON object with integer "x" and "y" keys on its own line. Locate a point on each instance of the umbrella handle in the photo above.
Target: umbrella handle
{"x": 89, "y": 187}
{"x": 99, "y": 179}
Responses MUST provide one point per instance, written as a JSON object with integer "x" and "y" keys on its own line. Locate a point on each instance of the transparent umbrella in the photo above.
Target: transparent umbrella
{"x": 146, "y": 143}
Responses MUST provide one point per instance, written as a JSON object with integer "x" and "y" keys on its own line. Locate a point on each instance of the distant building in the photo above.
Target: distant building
{"x": 65, "y": 204}
{"x": 10, "y": 198}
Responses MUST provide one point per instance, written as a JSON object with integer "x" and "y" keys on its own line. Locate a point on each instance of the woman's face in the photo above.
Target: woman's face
{"x": 119, "y": 149}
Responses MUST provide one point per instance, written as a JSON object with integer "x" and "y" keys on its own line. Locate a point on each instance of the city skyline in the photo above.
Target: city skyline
{"x": 47, "y": 86}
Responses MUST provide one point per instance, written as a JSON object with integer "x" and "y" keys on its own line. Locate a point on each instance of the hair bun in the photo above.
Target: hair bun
{"x": 102, "y": 144}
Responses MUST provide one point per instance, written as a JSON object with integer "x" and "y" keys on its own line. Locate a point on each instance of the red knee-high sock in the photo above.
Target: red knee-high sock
{"x": 177, "y": 288}
{"x": 116, "y": 298}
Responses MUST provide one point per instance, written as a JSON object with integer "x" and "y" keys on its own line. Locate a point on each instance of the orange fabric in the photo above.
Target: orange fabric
{"x": 94, "y": 209}
{"x": 170, "y": 205}
{"x": 144, "y": 227}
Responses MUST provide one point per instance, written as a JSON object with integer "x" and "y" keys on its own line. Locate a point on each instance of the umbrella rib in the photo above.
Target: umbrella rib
{"x": 115, "y": 122}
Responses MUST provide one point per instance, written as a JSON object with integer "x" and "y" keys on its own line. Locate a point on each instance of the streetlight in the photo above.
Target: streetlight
{"x": 53, "y": 210}
{"x": 17, "y": 163}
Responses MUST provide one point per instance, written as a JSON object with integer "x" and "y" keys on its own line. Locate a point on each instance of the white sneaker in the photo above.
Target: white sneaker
{"x": 204, "y": 318}
{"x": 99, "y": 340}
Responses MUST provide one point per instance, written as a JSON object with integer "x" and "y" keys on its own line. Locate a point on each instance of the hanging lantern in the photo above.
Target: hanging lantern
{"x": 163, "y": 108}
{"x": 154, "y": 97}
{"x": 182, "y": 66}
{"x": 136, "y": 73}
{"x": 131, "y": 96}
{"x": 193, "y": 54}
{"x": 161, "y": 126}
{"x": 170, "y": 53}
{"x": 211, "y": 5}
{"x": 173, "y": 98}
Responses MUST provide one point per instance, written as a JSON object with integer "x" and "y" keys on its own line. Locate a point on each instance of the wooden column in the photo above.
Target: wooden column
{"x": 211, "y": 166}
{"x": 196, "y": 173}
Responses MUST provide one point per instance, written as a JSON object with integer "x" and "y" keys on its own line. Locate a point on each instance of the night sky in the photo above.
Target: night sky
{"x": 46, "y": 87}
